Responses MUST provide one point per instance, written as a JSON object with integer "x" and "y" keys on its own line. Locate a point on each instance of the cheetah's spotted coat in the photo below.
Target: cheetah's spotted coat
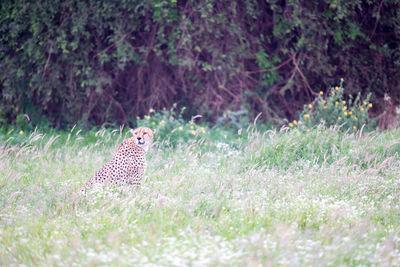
{"x": 129, "y": 162}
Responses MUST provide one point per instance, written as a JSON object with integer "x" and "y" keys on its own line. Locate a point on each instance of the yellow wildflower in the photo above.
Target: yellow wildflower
{"x": 336, "y": 88}
{"x": 345, "y": 113}
{"x": 321, "y": 93}
{"x": 344, "y": 102}
{"x": 341, "y": 79}
{"x": 361, "y": 108}
{"x": 151, "y": 110}
{"x": 147, "y": 117}
{"x": 191, "y": 127}
{"x": 339, "y": 118}
{"x": 202, "y": 130}
{"x": 295, "y": 122}
{"x": 162, "y": 122}
{"x": 344, "y": 108}
{"x": 355, "y": 118}
{"x": 180, "y": 128}
{"x": 310, "y": 105}
{"x": 370, "y": 105}
{"x": 350, "y": 112}
{"x": 21, "y": 132}
{"x": 153, "y": 123}
{"x": 325, "y": 107}
{"x": 306, "y": 116}
{"x": 336, "y": 102}
{"x": 291, "y": 125}
{"x": 365, "y": 103}
{"x": 354, "y": 127}
{"x": 193, "y": 132}
{"x": 324, "y": 101}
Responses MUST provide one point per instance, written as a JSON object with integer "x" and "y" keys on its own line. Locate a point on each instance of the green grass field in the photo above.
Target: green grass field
{"x": 274, "y": 198}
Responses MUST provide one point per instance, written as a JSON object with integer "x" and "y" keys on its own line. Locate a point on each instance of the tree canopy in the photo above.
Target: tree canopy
{"x": 110, "y": 61}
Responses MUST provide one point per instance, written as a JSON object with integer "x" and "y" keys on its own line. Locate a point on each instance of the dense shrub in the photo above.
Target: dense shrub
{"x": 170, "y": 126}
{"x": 110, "y": 61}
{"x": 333, "y": 109}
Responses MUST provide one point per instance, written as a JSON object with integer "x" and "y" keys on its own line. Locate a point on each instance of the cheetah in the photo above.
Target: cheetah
{"x": 128, "y": 164}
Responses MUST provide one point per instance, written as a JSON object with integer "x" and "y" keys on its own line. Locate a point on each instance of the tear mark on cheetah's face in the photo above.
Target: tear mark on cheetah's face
{"x": 128, "y": 164}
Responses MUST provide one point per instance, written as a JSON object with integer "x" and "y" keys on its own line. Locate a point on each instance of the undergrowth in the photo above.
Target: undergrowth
{"x": 333, "y": 108}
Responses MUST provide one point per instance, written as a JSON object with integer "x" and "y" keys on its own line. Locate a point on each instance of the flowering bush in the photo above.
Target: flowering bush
{"x": 333, "y": 109}
{"x": 170, "y": 125}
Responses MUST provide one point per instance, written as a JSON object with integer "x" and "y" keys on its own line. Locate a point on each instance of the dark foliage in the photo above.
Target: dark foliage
{"x": 108, "y": 61}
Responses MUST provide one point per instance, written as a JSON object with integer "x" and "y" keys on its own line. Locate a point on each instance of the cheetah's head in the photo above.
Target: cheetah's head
{"x": 143, "y": 137}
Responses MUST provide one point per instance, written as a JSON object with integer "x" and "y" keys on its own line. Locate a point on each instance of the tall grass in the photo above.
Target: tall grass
{"x": 259, "y": 198}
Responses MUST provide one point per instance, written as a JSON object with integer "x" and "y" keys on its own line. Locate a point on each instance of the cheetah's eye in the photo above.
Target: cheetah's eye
{"x": 144, "y": 133}
{"x": 136, "y": 133}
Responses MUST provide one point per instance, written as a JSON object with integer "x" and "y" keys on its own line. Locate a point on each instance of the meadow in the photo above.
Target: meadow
{"x": 280, "y": 197}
